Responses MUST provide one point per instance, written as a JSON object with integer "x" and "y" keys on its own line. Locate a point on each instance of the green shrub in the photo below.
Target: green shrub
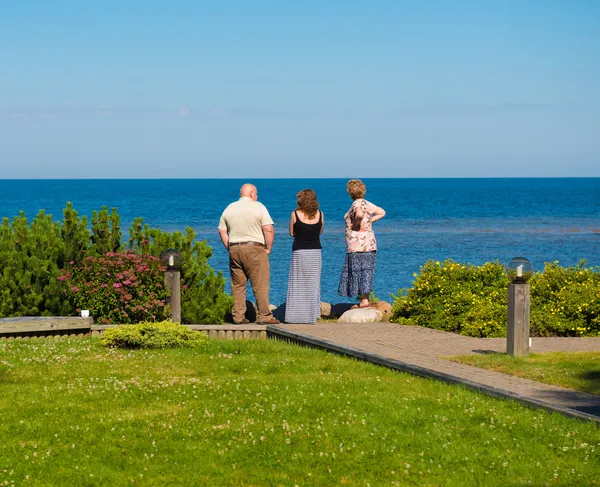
{"x": 457, "y": 298}
{"x": 472, "y": 300}
{"x": 164, "y": 334}
{"x": 203, "y": 299}
{"x": 565, "y": 301}
{"x": 31, "y": 255}
{"x": 34, "y": 254}
{"x": 117, "y": 288}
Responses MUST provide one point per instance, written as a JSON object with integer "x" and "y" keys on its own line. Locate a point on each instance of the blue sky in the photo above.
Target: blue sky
{"x": 299, "y": 89}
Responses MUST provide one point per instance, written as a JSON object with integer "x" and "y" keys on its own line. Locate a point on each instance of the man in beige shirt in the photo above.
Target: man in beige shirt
{"x": 246, "y": 230}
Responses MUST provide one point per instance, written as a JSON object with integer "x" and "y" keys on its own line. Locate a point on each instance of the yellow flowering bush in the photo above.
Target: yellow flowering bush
{"x": 565, "y": 301}
{"x": 164, "y": 334}
{"x": 472, "y": 300}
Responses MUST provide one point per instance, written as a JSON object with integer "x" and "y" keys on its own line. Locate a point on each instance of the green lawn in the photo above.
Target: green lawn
{"x": 574, "y": 370}
{"x": 265, "y": 413}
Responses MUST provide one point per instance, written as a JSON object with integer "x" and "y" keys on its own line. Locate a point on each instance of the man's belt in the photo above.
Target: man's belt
{"x": 257, "y": 244}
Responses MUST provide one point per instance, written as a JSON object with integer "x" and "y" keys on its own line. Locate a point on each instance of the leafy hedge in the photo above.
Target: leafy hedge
{"x": 472, "y": 300}
{"x": 153, "y": 335}
{"x": 33, "y": 255}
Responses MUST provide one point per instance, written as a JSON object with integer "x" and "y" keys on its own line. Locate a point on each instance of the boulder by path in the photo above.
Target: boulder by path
{"x": 279, "y": 312}
{"x": 325, "y": 310}
{"x": 385, "y": 308}
{"x": 339, "y": 309}
{"x": 251, "y": 313}
{"x": 361, "y": 315}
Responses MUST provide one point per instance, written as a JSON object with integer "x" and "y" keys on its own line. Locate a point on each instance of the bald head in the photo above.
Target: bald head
{"x": 250, "y": 191}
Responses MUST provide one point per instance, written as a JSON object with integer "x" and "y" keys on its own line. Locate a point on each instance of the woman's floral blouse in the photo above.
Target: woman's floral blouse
{"x": 363, "y": 239}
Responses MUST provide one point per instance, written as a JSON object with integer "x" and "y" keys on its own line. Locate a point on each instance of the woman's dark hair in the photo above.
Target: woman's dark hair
{"x": 307, "y": 202}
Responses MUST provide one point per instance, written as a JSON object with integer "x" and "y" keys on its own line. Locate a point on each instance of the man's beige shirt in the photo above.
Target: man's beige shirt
{"x": 244, "y": 219}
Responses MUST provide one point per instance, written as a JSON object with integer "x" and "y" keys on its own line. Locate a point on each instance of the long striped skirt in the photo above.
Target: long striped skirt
{"x": 303, "y": 303}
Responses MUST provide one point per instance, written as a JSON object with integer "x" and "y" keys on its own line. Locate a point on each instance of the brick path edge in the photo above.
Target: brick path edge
{"x": 277, "y": 333}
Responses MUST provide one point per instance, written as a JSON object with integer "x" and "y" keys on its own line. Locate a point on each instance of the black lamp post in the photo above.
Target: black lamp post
{"x": 519, "y": 271}
{"x": 172, "y": 260}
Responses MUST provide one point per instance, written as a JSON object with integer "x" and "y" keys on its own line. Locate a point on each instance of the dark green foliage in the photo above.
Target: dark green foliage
{"x": 106, "y": 231}
{"x": 32, "y": 255}
{"x": 472, "y": 300}
{"x": 203, "y": 299}
{"x": 120, "y": 287}
{"x": 153, "y": 335}
{"x": 75, "y": 235}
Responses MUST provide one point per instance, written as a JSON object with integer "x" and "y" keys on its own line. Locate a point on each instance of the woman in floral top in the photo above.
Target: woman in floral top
{"x": 361, "y": 247}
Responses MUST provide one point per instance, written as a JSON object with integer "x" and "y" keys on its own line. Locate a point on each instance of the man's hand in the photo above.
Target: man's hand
{"x": 224, "y": 238}
{"x": 269, "y": 234}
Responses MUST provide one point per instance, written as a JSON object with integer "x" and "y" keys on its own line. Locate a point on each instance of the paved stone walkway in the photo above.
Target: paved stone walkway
{"x": 420, "y": 350}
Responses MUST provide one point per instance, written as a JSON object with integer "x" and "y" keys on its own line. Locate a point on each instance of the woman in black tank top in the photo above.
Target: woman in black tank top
{"x": 307, "y": 235}
{"x": 304, "y": 284}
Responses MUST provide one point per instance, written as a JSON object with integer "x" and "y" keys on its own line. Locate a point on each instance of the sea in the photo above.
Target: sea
{"x": 467, "y": 220}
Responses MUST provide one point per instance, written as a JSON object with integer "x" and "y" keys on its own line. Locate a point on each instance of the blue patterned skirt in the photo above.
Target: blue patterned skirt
{"x": 358, "y": 274}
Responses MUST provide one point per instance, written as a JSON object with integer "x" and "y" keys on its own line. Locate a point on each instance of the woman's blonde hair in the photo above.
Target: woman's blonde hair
{"x": 307, "y": 202}
{"x": 356, "y": 189}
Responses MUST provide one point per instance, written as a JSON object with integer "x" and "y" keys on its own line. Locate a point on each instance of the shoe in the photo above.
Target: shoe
{"x": 243, "y": 322}
{"x": 272, "y": 321}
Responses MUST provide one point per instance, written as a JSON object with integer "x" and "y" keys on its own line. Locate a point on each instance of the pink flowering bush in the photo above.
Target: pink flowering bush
{"x": 119, "y": 288}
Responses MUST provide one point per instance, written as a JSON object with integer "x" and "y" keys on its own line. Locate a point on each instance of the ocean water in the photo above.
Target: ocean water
{"x": 468, "y": 220}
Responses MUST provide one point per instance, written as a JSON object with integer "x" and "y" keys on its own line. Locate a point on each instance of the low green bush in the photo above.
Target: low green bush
{"x": 472, "y": 300}
{"x": 455, "y": 297}
{"x": 163, "y": 334}
{"x": 120, "y": 287}
{"x": 565, "y": 301}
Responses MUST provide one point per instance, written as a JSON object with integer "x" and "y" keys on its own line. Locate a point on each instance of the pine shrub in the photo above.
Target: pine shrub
{"x": 203, "y": 299}
{"x": 34, "y": 254}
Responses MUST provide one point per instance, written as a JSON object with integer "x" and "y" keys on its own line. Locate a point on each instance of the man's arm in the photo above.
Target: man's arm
{"x": 224, "y": 237}
{"x": 269, "y": 234}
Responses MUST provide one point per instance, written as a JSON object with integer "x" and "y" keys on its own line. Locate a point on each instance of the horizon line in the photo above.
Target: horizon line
{"x": 242, "y": 178}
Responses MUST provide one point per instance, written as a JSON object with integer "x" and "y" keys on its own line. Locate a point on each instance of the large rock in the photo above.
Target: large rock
{"x": 251, "y": 313}
{"x": 361, "y": 315}
{"x": 279, "y": 312}
{"x": 385, "y": 308}
{"x": 339, "y": 309}
{"x": 325, "y": 310}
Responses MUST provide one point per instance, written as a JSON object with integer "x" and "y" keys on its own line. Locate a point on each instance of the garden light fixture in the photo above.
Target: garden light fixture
{"x": 172, "y": 260}
{"x": 519, "y": 270}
